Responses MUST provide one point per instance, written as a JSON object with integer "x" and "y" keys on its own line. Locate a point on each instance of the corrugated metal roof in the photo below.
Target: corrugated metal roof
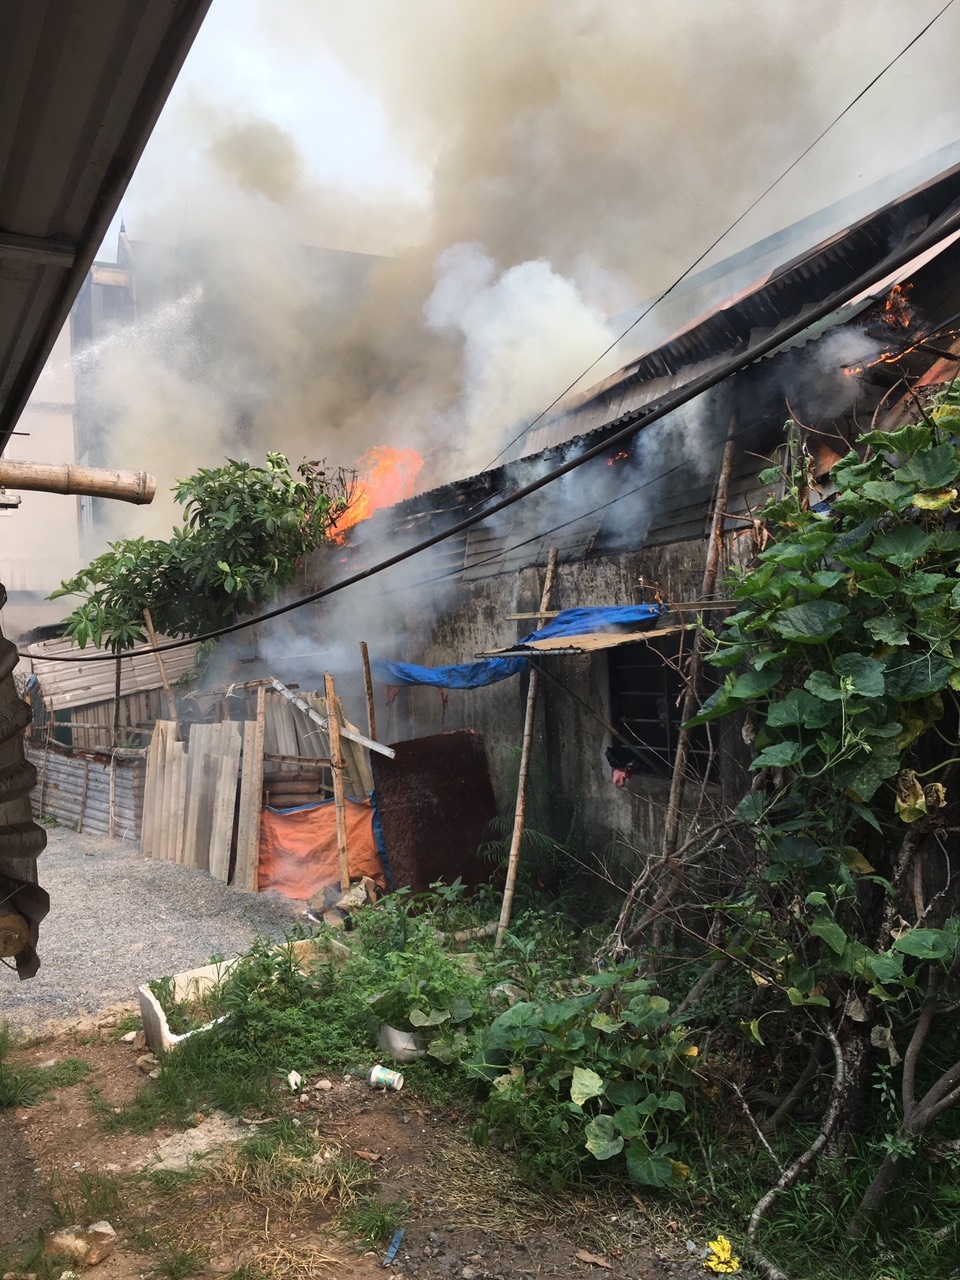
{"x": 769, "y": 303}
{"x": 81, "y": 85}
{"x": 79, "y": 684}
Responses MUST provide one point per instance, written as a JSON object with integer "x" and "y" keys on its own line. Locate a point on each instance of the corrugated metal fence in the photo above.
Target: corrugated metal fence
{"x": 90, "y": 790}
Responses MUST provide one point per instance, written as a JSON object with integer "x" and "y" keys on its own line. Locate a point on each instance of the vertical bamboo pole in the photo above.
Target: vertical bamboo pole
{"x": 116, "y": 705}
{"x": 691, "y": 694}
{"x": 171, "y": 700}
{"x": 336, "y": 761}
{"x": 368, "y": 687}
{"x": 519, "y": 816}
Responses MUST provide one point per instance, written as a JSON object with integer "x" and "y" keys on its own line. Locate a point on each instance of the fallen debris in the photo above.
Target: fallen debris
{"x": 86, "y": 1245}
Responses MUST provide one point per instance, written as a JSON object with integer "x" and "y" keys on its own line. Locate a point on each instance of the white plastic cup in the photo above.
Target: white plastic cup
{"x": 383, "y": 1078}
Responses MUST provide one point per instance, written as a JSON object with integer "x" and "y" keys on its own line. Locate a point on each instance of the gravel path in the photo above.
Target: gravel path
{"x": 118, "y": 919}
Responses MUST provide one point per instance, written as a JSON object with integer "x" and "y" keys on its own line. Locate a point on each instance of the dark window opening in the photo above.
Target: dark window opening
{"x": 645, "y": 694}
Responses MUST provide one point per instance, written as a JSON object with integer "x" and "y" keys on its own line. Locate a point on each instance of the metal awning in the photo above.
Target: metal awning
{"x": 82, "y": 83}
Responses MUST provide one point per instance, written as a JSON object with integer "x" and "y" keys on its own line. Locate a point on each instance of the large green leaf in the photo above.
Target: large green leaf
{"x": 827, "y": 928}
{"x": 603, "y": 1141}
{"x": 927, "y": 944}
{"x": 932, "y": 469}
{"x": 910, "y": 675}
{"x": 812, "y": 622}
{"x": 902, "y": 546}
{"x": 799, "y": 707}
{"x": 585, "y": 1084}
{"x": 860, "y": 675}
{"x": 778, "y": 756}
{"x": 648, "y": 1170}
{"x": 887, "y": 629}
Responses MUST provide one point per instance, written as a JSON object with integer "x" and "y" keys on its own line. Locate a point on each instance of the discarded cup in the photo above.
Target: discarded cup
{"x": 383, "y": 1078}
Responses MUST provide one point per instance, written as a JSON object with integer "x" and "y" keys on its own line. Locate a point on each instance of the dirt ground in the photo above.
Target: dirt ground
{"x": 467, "y": 1216}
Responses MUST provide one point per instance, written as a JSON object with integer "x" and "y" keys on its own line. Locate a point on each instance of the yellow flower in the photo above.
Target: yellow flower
{"x": 722, "y": 1262}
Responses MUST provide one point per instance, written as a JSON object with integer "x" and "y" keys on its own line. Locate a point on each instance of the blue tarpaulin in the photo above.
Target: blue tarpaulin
{"x": 578, "y": 622}
{"x": 465, "y": 675}
{"x": 474, "y": 675}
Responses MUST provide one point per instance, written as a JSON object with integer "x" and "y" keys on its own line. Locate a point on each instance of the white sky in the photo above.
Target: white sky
{"x": 270, "y": 58}
{"x": 536, "y": 166}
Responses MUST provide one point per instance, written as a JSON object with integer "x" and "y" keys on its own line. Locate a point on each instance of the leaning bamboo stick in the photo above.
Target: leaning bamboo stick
{"x": 318, "y": 719}
{"x": 336, "y": 756}
{"x": 691, "y": 694}
{"x": 513, "y": 860}
{"x": 164, "y": 679}
{"x": 368, "y": 689}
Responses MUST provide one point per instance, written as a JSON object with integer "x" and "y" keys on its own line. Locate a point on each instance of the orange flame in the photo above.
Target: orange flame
{"x": 385, "y": 476}
{"x": 896, "y": 309}
{"x": 617, "y": 457}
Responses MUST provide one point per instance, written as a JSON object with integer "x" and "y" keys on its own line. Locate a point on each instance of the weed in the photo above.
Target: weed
{"x": 33, "y": 1261}
{"x": 170, "y": 1181}
{"x": 89, "y": 1197}
{"x": 373, "y": 1221}
{"x": 176, "y": 1263}
{"x": 248, "y": 1271}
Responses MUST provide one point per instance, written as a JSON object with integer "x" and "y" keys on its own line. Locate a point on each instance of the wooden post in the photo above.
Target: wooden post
{"x": 171, "y": 699}
{"x": 112, "y": 827}
{"x": 368, "y": 687}
{"x": 83, "y": 797}
{"x": 336, "y": 760}
{"x": 245, "y": 874}
{"x": 513, "y": 859}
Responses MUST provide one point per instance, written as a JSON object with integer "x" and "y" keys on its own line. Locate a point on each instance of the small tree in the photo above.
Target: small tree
{"x": 844, "y": 655}
{"x": 247, "y": 532}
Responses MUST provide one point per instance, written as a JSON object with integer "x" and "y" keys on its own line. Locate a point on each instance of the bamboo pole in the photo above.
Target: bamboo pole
{"x": 368, "y": 689}
{"x": 98, "y": 482}
{"x": 336, "y": 758}
{"x": 671, "y": 832}
{"x": 116, "y": 705}
{"x": 519, "y": 816}
{"x": 164, "y": 679}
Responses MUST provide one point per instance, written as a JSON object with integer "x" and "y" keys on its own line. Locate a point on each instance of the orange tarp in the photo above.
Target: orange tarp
{"x": 298, "y": 848}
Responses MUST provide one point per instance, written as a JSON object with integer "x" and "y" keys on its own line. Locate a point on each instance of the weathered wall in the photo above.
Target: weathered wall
{"x": 571, "y": 724}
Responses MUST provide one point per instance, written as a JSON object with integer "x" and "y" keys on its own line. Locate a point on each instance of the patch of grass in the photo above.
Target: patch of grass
{"x": 285, "y": 1164}
{"x": 248, "y": 1271}
{"x": 204, "y": 1073}
{"x": 170, "y": 1181}
{"x": 25, "y": 1085}
{"x": 176, "y": 1263}
{"x": 373, "y": 1221}
{"x": 89, "y": 1197}
{"x": 31, "y": 1261}
{"x": 129, "y": 1022}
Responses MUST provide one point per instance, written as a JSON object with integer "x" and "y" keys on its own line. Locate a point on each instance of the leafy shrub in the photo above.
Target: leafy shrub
{"x": 574, "y": 1081}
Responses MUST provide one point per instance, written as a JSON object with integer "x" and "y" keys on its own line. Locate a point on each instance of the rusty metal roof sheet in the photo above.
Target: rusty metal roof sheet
{"x": 81, "y": 85}
{"x": 81, "y": 684}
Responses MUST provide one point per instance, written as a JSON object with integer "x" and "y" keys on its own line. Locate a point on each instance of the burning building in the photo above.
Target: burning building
{"x": 653, "y": 482}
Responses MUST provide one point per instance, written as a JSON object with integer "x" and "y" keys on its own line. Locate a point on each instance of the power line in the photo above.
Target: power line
{"x": 633, "y": 421}
{"x": 723, "y": 235}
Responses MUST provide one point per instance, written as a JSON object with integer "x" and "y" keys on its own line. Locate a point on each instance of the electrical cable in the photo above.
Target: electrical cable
{"x": 723, "y": 235}
{"x": 633, "y": 421}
